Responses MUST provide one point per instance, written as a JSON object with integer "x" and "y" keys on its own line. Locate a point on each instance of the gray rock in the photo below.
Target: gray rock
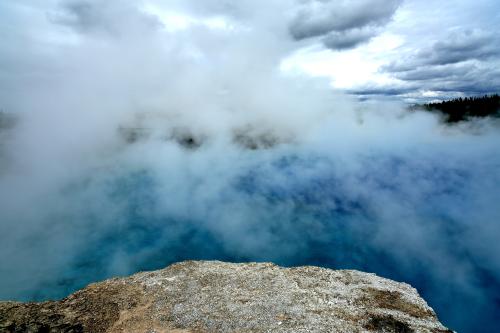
{"x": 200, "y": 296}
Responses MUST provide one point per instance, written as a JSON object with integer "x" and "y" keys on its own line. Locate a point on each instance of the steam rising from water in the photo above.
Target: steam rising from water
{"x": 132, "y": 151}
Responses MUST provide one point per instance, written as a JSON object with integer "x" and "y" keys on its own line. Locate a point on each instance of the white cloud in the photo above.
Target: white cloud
{"x": 347, "y": 69}
{"x": 176, "y": 20}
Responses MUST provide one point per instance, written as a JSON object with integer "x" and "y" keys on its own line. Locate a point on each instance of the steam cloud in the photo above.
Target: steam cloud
{"x": 137, "y": 145}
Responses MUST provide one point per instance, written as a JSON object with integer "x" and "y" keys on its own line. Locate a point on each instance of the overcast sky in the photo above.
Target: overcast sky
{"x": 427, "y": 49}
{"x": 405, "y": 49}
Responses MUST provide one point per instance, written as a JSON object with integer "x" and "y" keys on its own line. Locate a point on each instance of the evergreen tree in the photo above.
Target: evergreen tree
{"x": 461, "y": 109}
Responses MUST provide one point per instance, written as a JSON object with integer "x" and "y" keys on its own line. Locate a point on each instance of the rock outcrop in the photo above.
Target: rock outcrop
{"x": 223, "y": 297}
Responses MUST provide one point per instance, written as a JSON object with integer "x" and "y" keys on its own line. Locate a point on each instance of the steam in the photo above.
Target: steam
{"x": 139, "y": 143}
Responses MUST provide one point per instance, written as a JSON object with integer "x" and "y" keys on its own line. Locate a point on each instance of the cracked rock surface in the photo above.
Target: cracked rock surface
{"x": 212, "y": 296}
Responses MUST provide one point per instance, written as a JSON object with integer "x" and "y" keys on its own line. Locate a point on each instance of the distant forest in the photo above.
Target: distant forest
{"x": 460, "y": 109}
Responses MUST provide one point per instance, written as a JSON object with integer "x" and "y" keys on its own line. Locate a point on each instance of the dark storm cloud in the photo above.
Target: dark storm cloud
{"x": 468, "y": 78}
{"x": 373, "y": 90}
{"x": 473, "y": 81}
{"x": 479, "y": 85}
{"x": 463, "y": 46}
{"x": 348, "y": 39}
{"x": 455, "y": 48}
{"x": 451, "y": 71}
{"x": 448, "y": 81}
{"x": 462, "y": 61}
{"x": 318, "y": 18}
{"x": 343, "y": 24}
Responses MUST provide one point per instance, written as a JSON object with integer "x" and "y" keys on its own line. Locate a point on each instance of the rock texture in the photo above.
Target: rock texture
{"x": 222, "y": 297}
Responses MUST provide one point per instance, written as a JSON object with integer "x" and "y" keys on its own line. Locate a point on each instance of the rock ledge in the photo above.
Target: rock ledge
{"x": 211, "y": 296}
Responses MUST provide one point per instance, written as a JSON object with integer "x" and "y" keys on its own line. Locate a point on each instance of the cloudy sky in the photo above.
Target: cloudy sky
{"x": 413, "y": 49}
{"x": 408, "y": 49}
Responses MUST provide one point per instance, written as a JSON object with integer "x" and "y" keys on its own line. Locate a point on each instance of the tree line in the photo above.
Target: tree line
{"x": 460, "y": 109}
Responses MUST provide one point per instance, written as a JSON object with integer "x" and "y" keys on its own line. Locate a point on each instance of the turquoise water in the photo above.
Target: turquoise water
{"x": 426, "y": 224}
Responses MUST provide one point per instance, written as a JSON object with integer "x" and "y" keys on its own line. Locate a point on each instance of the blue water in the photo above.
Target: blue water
{"x": 407, "y": 221}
